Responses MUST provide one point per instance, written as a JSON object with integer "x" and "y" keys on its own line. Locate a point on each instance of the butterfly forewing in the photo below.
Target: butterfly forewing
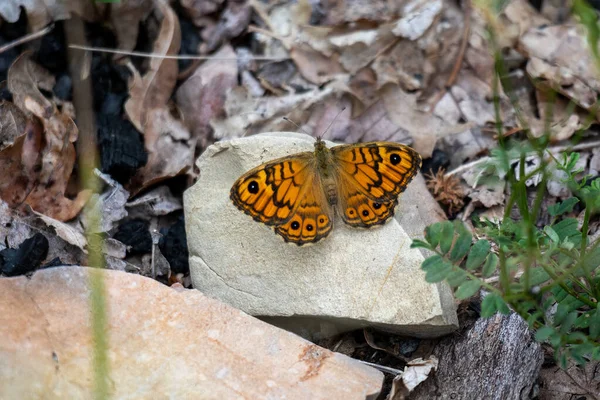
{"x": 271, "y": 192}
{"x": 370, "y": 177}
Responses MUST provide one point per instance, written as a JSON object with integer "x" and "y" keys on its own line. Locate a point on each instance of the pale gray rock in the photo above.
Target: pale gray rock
{"x": 162, "y": 344}
{"x": 352, "y": 278}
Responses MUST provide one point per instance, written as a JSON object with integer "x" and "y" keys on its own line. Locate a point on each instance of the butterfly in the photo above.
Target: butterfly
{"x": 298, "y": 194}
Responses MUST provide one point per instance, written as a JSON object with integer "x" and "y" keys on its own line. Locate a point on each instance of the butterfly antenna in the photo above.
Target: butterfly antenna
{"x": 332, "y": 121}
{"x": 296, "y": 125}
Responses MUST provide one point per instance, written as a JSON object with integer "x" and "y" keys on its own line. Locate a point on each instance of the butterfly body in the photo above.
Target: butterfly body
{"x": 300, "y": 194}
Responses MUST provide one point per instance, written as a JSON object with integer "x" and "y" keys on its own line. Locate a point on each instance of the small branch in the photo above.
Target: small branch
{"x": 382, "y": 368}
{"x": 27, "y": 38}
{"x": 166, "y": 56}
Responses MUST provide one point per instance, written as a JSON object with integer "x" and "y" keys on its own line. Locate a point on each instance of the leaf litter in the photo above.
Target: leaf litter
{"x": 418, "y": 72}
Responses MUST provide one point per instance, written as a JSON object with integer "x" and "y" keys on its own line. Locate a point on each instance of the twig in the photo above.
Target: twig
{"x": 382, "y": 368}
{"x": 554, "y": 150}
{"x": 459, "y": 59}
{"x": 167, "y": 56}
{"x": 27, "y": 38}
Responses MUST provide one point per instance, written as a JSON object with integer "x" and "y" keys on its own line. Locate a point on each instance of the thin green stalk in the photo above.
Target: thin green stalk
{"x": 584, "y": 231}
{"x": 88, "y": 161}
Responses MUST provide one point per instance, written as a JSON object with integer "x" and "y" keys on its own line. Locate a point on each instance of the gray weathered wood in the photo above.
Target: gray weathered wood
{"x": 496, "y": 358}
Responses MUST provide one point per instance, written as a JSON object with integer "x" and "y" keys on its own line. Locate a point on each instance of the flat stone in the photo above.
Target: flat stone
{"x": 163, "y": 343}
{"x": 350, "y": 279}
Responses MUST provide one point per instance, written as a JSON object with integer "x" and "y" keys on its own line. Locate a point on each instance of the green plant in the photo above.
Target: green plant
{"x": 547, "y": 273}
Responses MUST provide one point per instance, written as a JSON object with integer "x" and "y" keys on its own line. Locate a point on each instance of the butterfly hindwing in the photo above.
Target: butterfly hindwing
{"x": 311, "y": 220}
{"x": 270, "y": 192}
{"x": 370, "y": 177}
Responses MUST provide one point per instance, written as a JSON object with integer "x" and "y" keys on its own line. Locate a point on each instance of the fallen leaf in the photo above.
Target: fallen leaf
{"x": 69, "y": 232}
{"x": 339, "y": 12}
{"x": 198, "y": 10}
{"x": 415, "y": 372}
{"x": 168, "y": 142}
{"x": 125, "y": 18}
{"x": 418, "y": 15}
{"x": 202, "y": 96}
{"x": 153, "y": 90}
{"x": 110, "y": 204}
{"x": 233, "y": 21}
{"x": 25, "y": 79}
{"x": 246, "y": 114}
{"x": 157, "y": 202}
{"x": 560, "y": 58}
{"x": 13, "y": 123}
{"x": 424, "y": 128}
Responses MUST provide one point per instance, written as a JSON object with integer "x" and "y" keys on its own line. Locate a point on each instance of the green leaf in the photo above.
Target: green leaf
{"x": 561, "y": 313}
{"x": 537, "y": 276}
{"x": 432, "y": 262}
{"x": 567, "y": 228}
{"x": 563, "y": 207}
{"x": 461, "y": 245}
{"x": 438, "y": 274}
{"x": 477, "y": 255}
{"x": 468, "y": 289}
{"x": 456, "y": 277}
{"x": 447, "y": 236}
{"x": 420, "y": 244}
{"x": 544, "y": 333}
{"x": 491, "y": 262}
{"x": 551, "y": 233}
{"x": 491, "y": 304}
{"x": 592, "y": 260}
{"x": 433, "y": 233}
{"x": 568, "y": 322}
{"x": 595, "y": 324}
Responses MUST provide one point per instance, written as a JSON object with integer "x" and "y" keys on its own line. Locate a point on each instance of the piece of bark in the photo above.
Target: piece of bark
{"x": 496, "y": 358}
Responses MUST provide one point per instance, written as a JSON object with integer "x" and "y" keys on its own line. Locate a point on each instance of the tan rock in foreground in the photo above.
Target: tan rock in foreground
{"x": 351, "y": 279}
{"x": 164, "y": 343}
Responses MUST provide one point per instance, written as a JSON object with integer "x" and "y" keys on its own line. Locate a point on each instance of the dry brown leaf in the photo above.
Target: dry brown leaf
{"x": 42, "y": 12}
{"x": 19, "y": 163}
{"x": 415, "y": 372}
{"x": 69, "y": 232}
{"x": 24, "y": 80}
{"x": 198, "y": 10}
{"x": 561, "y": 59}
{"x": 169, "y": 143}
{"x": 573, "y": 383}
{"x": 153, "y": 90}
{"x": 247, "y": 115}
{"x": 314, "y": 66}
{"x": 234, "y": 20}
{"x": 418, "y": 16}
{"x": 110, "y": 204}
{"x": 170, "y": 151}
{"x": 202, "y": 96}
{"x": 424, "y": 128}
{"x": 125, "y": 17}
{"x": 342, "y": 11}
{"x": 58, "y": 160}
{"x": 564, "y": 121}
{"x": 13, "y": 123}
{"x": 40, "y": 164}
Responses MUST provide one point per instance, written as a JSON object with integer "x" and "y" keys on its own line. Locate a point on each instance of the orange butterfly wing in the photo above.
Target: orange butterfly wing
{"x": 286, "y": 193}
{"x": 370, "y": 176}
